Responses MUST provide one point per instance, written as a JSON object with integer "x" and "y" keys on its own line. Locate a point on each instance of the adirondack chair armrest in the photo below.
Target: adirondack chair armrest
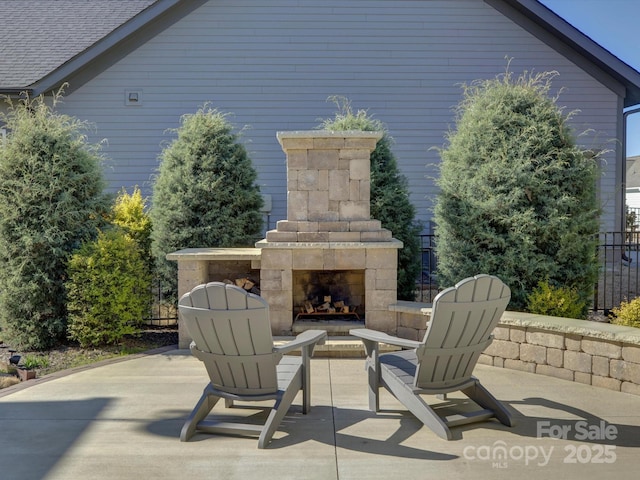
{"x": 306, "y": 338}
{"x": 381, "y": 337}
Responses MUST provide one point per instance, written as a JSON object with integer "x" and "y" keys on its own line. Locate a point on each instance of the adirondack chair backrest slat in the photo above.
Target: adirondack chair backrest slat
{"x": 462, "y": 317}
{"x": 231, "y": 334}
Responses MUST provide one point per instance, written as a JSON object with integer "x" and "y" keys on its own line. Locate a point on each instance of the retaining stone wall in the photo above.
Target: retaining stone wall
{"x": 598, "y": 354}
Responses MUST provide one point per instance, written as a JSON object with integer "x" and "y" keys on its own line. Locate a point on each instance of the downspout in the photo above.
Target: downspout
{"x": 625, "y": 115}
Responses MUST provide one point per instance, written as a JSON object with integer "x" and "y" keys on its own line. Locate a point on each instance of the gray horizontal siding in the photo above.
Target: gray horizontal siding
{"x": 273, "y": 65}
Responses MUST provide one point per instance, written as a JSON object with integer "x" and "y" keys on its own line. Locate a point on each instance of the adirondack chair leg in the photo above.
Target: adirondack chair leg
{"x": 306, "y": 381}
{"x": 483, "y": 397}
{"x": 206, "y": 403}
{"x": 416, "y": 405}
{"x": 228, "y": 403}
{"x": 280, "y": 409}
{"x": 372, "y": 350}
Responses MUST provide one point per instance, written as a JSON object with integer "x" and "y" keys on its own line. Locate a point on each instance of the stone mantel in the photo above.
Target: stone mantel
{"x": 206, "y": 254}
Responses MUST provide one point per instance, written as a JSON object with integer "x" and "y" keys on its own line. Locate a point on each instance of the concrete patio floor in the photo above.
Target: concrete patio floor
{"x": 122, "y": 420}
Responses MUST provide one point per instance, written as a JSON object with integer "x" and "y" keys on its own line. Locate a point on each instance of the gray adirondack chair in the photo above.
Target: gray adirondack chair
{"x": 462, "y": 320}
{"x": 232, "y": 336}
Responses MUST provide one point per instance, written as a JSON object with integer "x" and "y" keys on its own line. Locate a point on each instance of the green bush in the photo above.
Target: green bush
{"x": 205, "y": 193}
{"x": 51, "y": 200}
{"x": 555, "y": 301}
{"x": 627, "y": 314}
{"x": 130, "y": 213}
{"x": 390, "y": 201}
{"x": 108, "y": 289}
{"x": 517, "y": 195}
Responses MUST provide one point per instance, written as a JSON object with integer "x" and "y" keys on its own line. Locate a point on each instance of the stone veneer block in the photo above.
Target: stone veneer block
{"x": 380, "y": 300}
{"x": 519, "y": 365}
{"x": 339, "y": 183}
{"x": 582, "y": 378}
{"x": 344, "y": 237}
{"x": 309, "y": 180}
{"x": 297, "y": 159}
{"x": 354, "y": 190}
{"x": 359, "y": 169}
{"x": 409, "y": 320}
{"x": 360, "y": 142}
{"x": 287, "y": 226}
{"x": 329, "y": 143}
{"x": 350, "y": 210}
{"x": 333, "y": 226}
{"x": 352, "y": 154}
{"x": 307, "y": 259}
{"x": 364, "y": 190}
{"x": 555, "y": 372}
{"x": 319, "y": 205}
{"x": 600, "y": 366}
{"x": 379, "y": 236}
{"x": 631, "y": 388}
{"x": 555, "y": 357}
{"x": 501, "y": 333}
{"x": 271, "y": 283}
{"x": 482, "y": 359}
{"x": 383, "y": 321}
{"x": 517, "y": 334}
{"x": 323, "y": 159}
{"x": 533, "y": 353}
{"x": 295, "y": 142}
{"x": 382, "y": 258}
{"x": 365, "y": 225}
{"x": 277, "y": 259}
{"x": 625, "y": 371}
{"x": 313, "y": 237}
{"x": 606, "y": 382}
{"x": 577, "y": 361}
{"x": 573, "y": 342}
{"x": 275, "y": 236}
{"x": 501, "y": 348}
{"x": 408, "y": 333}
{"x": 631, "y": 353}
{"x": 297, "y": 205}
{"x": 544, "y": 338}
{"x": 602, "y": 348}
{"x": 329, "y": 259}
{"x": 350, "y": 259}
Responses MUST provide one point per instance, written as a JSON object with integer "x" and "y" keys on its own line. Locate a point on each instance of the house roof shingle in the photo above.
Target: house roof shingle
{"x": 39, "y": 36}
{"x": 43, "y": 42}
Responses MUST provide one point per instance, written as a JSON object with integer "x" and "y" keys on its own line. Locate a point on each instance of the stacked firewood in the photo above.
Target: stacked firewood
{"x": 325, "y": 306}
{"x": 245, "y": 282}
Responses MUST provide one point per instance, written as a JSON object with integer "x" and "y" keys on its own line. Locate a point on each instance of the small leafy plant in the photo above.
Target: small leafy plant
{"x": 31, "y": 362}
{"x": 556, "y": 301}
{"x": 627, "y": 314}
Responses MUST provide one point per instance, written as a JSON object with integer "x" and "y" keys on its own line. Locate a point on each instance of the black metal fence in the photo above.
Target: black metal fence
{"x": 619, "y": 274}
{"x": 619, "y": 279}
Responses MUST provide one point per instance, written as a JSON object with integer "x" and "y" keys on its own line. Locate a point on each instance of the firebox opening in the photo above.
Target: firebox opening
{"x": 329, "y": 294}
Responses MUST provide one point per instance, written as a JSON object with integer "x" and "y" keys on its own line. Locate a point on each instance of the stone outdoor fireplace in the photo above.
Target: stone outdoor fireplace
{"x": 329, "y": 252}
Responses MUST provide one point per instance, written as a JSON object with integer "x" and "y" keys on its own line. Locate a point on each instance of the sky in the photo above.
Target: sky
{"x": 612, "y": 24}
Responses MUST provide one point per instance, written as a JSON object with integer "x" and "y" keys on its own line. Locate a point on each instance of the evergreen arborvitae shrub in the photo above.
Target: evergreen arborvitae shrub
{"x": 205, "y": 193}
{"x": 517, "y": 195}
{"x": 51, "y": 200}
{"x": 390, "y": 201}
{"x": 108, "y": 289}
